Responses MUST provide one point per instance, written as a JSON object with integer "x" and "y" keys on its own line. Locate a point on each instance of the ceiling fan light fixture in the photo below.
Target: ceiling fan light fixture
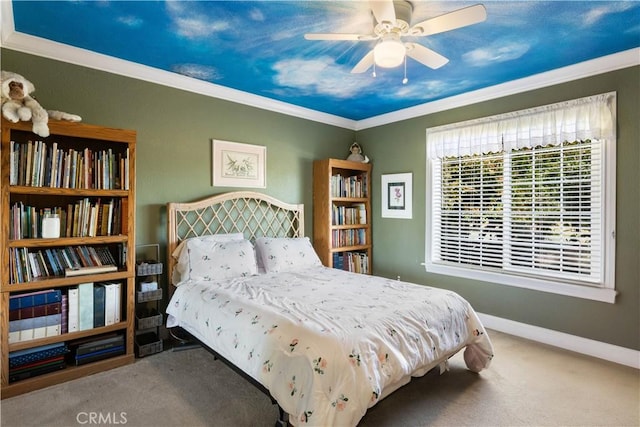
{"x": 389, "y": 53}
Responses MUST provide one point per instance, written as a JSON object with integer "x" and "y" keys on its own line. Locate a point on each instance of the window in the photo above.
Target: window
{"x": 527, "y": 198}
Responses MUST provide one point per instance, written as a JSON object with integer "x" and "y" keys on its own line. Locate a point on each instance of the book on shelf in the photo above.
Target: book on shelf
{"x": 35, "y": 311}
{"x": 349, "y": 186}
{"x": 73, "y": 309}
{"x": 87, "y": 217}
{"x": 93, "y": 305}
{"x": 98, "y": 348}
{"x": 30, "y": 299}
{"x": 30, "y": 355}
{"x": 64, "y": 306}
{"x": 111, "y": 302}
{"x": 85, "y": 306}
{"x": 349, "y": 215}
{"x": 351, "y": 237}
{"x": 80, "y": 271}
{"x": 25, "y": 263}
{"x": 34, "y": 328}
{"x": 44, "y": 367}
{"x": 98, "y": 306}
{"x": 93, "y": 344}
{"x": 357, "y": 262}
{"x": 100, "y": 355}
{"x": 44, "y": 164}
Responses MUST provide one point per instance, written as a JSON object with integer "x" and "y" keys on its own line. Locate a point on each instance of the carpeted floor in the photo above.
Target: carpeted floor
{"x": 528, "y": 384}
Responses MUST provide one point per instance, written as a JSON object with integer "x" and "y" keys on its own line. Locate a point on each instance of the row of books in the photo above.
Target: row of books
{"x": 40, "y": 360}
{"x": 42, "y": 164}
{"x": 349, "y": 186}
{"x": 97, "y": 348}
{"x": 357, "y": 262}
{"x": 84, "y": 218}
{"x": 349, "y": 215}
{"x": 26, "y": 264}
{"x": 35, "y": 315}
{"x": 51, "y": 312}
{"x": 94, "y": 305}
{"x": 35, "y": 361}
{"x": 353, "y": 237}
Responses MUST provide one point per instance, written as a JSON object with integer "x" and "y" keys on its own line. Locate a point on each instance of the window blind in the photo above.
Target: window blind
{"x": 523, "y": 193}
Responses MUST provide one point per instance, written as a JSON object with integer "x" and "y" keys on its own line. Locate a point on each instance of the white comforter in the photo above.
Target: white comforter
{"x": 329, "y": 344}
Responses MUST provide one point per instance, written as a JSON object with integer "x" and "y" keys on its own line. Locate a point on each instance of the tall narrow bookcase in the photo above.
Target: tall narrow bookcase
{"x": 82, "y": 179}
{"x": 342, "y": 214}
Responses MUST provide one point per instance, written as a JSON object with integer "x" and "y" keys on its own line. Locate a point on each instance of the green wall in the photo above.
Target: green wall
{"x": 174, "y": 164}
{"x": 174, "y": 132}
{"x": 399, "y": 247}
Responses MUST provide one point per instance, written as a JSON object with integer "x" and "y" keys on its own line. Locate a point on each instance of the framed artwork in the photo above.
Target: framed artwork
{"x": 238, "y": 165}
{"x": 396, "y": 195}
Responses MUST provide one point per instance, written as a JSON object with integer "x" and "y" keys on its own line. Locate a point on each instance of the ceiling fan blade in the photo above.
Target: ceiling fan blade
{"x": 364, "y": 64}
{"x": 339, "y": 36}
{"x": 383, "y": 10}
{"x": 450, "y": 21}
{"x": 425, "y": 55}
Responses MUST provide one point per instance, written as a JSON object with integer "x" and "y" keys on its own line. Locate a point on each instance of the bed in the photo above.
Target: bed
{"x": 324, "y": 344}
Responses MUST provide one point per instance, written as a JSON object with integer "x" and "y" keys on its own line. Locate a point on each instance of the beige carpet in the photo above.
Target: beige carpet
{"x": 528, "y": 384}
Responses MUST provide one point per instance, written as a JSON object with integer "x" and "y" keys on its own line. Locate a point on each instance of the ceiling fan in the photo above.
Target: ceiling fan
{"x": 393, "y": 19}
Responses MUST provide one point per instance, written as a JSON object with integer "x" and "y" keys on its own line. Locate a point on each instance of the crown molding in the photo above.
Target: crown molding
{"x": 616, "y": 61}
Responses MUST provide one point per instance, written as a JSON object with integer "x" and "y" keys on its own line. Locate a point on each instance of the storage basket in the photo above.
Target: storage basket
{"x": 148, "y": 320}
{"x": 149, "y": 295}
{"x": 148, "y": 343}
{"x": 148, "y": 268}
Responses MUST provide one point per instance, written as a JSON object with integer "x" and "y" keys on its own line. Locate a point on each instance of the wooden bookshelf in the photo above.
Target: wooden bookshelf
{"x": 105, "y": 172}
{"x": 342, "y": 214}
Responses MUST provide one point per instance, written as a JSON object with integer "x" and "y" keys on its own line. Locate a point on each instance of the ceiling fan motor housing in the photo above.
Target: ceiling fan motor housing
{"x": 404, "y": 10}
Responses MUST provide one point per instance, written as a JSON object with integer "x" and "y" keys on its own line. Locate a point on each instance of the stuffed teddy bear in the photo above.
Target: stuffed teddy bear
{"x": 17, "y": 104}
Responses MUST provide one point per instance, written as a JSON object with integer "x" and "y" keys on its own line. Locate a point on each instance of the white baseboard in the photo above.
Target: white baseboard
{"x": 601, "y": 350}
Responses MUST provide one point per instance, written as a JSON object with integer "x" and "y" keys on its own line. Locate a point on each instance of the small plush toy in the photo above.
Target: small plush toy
{"x": 17, "y": 104}
{"x": 356, "y": 154}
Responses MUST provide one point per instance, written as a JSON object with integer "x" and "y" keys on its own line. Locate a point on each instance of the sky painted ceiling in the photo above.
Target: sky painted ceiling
{"x": 259, "y": 47}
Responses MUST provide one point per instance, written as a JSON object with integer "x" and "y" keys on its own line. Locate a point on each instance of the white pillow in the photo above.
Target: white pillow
{"x": 212, "y": 259}
{"x": 208, "y": 238}
{"x": 286, "y": 253}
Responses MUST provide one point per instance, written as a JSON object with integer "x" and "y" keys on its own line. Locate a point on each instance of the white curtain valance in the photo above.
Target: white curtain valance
{"x": 592, "y": 117}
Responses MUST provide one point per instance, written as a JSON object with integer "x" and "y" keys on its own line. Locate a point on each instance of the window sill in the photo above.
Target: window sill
{"x": 585, "y": 292}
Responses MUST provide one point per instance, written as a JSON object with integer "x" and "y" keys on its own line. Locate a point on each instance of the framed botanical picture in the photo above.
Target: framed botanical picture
{"x": 239, "y": 165}
{"x": 396, "y": 196}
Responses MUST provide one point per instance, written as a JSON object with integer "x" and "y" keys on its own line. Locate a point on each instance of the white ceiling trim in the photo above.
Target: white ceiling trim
{"x": 11, "y": 39}
{"x": 593, "y": 67}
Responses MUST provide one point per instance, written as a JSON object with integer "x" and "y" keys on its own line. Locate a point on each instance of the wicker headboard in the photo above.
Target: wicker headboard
{"x": 253, "y": 214}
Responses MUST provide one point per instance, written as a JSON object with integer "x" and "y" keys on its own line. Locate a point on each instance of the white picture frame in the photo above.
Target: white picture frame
{"x": 397, "y": 195}
{"x": 236, "y": 164}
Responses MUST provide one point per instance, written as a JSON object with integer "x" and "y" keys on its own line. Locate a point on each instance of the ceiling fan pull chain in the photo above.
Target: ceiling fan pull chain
{"x": 405, "y": 80}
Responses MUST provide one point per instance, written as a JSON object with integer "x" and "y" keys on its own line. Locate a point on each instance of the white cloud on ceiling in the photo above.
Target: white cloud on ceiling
{"x": 197, "y": 71}
{"x": 191, "y": 24}
{"x": 496, "y": 52}
{"x": 318, "y": 76}
{"x": 597, "y": 13}
{"x": 130, "y": 21}
{"x": 256, "y": 15}
{"x": 420, "y": 89}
